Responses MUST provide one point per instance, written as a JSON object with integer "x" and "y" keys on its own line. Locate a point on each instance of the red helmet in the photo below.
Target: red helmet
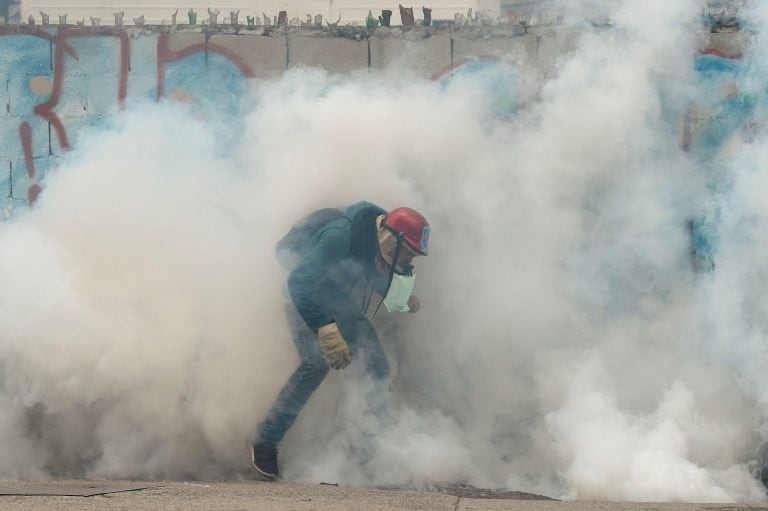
{"x": 410, "y": 226}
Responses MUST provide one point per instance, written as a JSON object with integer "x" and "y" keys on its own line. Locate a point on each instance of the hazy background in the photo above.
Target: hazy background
{"x": 565, "y": 346}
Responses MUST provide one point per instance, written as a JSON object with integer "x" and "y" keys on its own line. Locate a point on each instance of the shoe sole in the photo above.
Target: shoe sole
{"x": 269, "y": 476}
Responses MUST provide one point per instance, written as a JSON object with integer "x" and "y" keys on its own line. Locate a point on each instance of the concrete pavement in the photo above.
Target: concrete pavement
{"x": 264, "y": 496}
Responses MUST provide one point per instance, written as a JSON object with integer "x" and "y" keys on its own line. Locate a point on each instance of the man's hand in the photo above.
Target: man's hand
{"x": 335, "y": 348}
{"x": 414, "y": 303}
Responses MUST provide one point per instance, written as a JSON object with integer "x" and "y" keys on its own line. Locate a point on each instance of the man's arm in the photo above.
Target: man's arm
{"x": 303, "y": 282}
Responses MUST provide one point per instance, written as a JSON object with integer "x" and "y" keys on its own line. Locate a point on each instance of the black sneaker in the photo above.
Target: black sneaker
{"x": 264, "y": 458}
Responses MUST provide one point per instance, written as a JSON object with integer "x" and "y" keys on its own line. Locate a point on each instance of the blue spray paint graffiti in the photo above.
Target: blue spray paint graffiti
{"x": 60, "y": 82}
{"x": 728, "y": 105}
{"x": 497, "y": 77}
{"x": 217, "y": 79}
{"x": 25, "y": 62}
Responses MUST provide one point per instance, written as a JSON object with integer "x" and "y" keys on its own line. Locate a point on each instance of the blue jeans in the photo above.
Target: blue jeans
{"x": 362, "y": 340}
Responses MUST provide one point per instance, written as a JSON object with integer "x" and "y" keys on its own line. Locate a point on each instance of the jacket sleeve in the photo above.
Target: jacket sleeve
{"x": 332, "y": 245}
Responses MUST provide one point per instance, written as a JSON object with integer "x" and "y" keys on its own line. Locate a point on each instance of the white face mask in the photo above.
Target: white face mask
{"x": 399, "y": 293}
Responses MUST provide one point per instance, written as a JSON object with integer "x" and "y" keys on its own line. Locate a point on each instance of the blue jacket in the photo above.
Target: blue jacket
{"x": 338, "y": 263}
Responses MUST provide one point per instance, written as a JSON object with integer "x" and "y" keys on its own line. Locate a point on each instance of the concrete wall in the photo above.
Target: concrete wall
{"x": 349, "y": 10}
{"x": 156, "y": 13}
{"x": 60, "y": 79}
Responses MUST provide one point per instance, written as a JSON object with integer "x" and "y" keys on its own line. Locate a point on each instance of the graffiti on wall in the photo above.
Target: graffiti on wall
{"x": 62, "y": 81}
{"x": 59, "y": 82}
{"x": 727, "y": 115}
{"x": 496, "y": 76}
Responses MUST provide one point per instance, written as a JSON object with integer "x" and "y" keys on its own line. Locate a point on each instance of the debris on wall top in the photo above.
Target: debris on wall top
{"x": 716, "y": 16}
{"x": 723, "y": 15}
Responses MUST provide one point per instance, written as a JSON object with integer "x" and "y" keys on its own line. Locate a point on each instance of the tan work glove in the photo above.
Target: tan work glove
{"x": 334, "y": 346}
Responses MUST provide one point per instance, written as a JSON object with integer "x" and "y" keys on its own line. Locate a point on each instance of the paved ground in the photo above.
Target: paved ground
{"x": 263, "y": 496}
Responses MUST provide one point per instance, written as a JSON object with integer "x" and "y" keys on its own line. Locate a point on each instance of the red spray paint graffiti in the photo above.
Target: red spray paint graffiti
{"x": 25, "y": 134}
{"x": 61, "y": 47}
{"x": 165, "y": 56}
{"x": 62, "y": 50}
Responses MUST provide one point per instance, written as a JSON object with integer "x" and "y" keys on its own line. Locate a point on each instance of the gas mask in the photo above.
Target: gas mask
{"x": 399, "y": 293}
{"x": 395, "y": 260}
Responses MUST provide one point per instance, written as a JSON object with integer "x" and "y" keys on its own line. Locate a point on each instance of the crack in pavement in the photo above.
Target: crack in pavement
{"x": 101, "y": 493}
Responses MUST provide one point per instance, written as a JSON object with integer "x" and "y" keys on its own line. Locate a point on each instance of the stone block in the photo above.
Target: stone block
{"x": 142, "y": 79}
{"x": 421, "y": 51}
{"x": 733, "y": 43}
{"x": 143, "y": 55}
{"x": 181, "y": 59}
{"x": 334, "y": 54}
{"x": 70, "y": 128}
{"x": 10, "y": 136}
{"x": 552, "y": 45}
{"x": 13, "y": 188}
{"x": 26, "y": 69}
{"x": 75, "y": 127}
{"x": 468, "y": 43}
{"x": 103, "y": 94}
{"x": 16, "y": 185}
{"x": 186, "y": 41}
{"x": 6, "y": 180}
{"x": 255, "y": 55}
{"x": 26, "y": 91}
{"x": 74, "y": 101}
{"x": 98, "y": 54}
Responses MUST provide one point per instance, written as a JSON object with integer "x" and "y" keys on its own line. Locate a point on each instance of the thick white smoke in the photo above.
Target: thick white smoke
{"x": 564, "y": 346}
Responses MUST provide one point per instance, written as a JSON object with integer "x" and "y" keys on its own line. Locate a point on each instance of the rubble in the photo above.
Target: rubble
{"x": 716, "y": 16}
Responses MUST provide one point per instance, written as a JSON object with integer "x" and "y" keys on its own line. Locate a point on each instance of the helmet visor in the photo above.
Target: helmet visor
{"x": 388, "y": 246}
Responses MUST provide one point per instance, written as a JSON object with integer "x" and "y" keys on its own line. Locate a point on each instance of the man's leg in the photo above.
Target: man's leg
{"x": 368, "y": 354}
{"x": 363, "y": 340}
{"x": 366, "y": 350}
{"x": 292, "y": 398}
{"x": 365, "y": 345}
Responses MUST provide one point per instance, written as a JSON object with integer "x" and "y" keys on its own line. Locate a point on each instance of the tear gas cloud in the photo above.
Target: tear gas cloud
{"x": 564, "y": 346}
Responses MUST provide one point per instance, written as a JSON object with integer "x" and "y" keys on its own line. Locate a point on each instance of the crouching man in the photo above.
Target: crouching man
{"x": 338, "y": 260}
